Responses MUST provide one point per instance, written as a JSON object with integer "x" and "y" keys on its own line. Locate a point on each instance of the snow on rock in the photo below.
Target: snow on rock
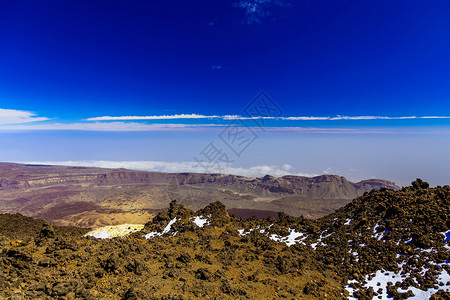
{"x": 348, "y": 221}
{"x": 319, "y": 241}
{"x": 350, "y": 289}
{"x": 152, "y": 235}
{"x": 293, "y": 238}
{"x": 169, "y": 226}
{"x": 379, "y": 281}
{"x": 200, "y": 221}
{"x": 446, "y": 235}
{"x": 376, "y": 234}
{"x": 410, "y": 239}
{"x": 242, "y": 232}
{"x": 166, "y": 230}
{"x": 109, "y": 232}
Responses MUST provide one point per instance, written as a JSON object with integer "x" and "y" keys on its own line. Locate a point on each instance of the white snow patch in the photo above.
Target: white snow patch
{"x": 410, "y": 239}
{"x": 200, "y": 221}
{"x": 375, "y": 228}
{"x": 166, "y": 230}
{"x": 427, "y": 250}
{"x": 348, "y": 221}
{"x": 293, "y": 238}
{"x": 446, "y": 235}
{"x": 319, "y": 241}
{"x": 380, "y": 279}
{"x": 350, "y": 289}
{"x": 443, "y": 278}
{"x": 377, "y": 235}
{"x": 243, "y": 233}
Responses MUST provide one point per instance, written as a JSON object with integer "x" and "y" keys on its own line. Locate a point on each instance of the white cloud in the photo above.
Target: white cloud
{"x": 328, "y": 170}
{"x": 306, "y": 118}
{"x": 238, "y": 117}
{"x": 162, "y": 117}
{"x": 339, "y": 117}
{"x": 336, "y": 118}
{"x": 435, "y": 117}
{"x": 179, "y": 167}
{"x": 23, "y": 120}
{"x": 13, "y": 116}
{"x": 369, "y": 118}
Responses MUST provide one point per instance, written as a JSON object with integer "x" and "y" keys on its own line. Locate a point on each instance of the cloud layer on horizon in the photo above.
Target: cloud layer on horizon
{"x": 179, "y": 167}
{"x": 135, "y": 126}
{"x": 108, "y": 126}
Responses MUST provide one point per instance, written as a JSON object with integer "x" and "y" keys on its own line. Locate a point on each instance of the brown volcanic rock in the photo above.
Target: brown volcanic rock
{"x": 208, "y": 263}
{"x": 250, "y": 213}
{"x": 387, "y": 229}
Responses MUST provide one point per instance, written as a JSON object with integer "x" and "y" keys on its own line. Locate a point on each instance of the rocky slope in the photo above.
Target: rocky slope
{"x": 384, "y": 244}
{"x": 95, "y": 197}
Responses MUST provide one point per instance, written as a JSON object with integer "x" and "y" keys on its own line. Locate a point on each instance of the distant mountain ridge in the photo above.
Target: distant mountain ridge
{"x": 323, "y": 186}
{"x": 85, "y": 196}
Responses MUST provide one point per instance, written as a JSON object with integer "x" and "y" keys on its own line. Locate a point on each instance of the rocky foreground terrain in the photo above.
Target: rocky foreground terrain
{"x": 384, "y": 244}
{"x": 95, "y": 197}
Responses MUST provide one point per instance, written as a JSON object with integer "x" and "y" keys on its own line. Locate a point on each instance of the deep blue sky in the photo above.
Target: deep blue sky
{"x": 79, "y": 59}
{"x": 63, "y": 62}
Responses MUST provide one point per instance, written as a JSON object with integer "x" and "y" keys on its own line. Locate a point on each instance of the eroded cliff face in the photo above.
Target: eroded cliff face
{"x": 324, "y": 186}
{"x": 99, "y": 197}
{"x": 110, "y": 178}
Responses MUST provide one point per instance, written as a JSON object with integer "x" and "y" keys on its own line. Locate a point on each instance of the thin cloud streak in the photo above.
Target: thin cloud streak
{"x": 11, "y": 119}
{"x": 238, "y": 117}
{"x": 163, "y": 117}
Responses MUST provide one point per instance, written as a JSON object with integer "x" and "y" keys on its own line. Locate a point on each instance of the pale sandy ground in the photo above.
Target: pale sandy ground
{"x": 115, "y": 231}
{"x": 94, "y": 219}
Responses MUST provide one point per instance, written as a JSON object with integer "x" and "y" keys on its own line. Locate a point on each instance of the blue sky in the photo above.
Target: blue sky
{"x": 361, "y": 87}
